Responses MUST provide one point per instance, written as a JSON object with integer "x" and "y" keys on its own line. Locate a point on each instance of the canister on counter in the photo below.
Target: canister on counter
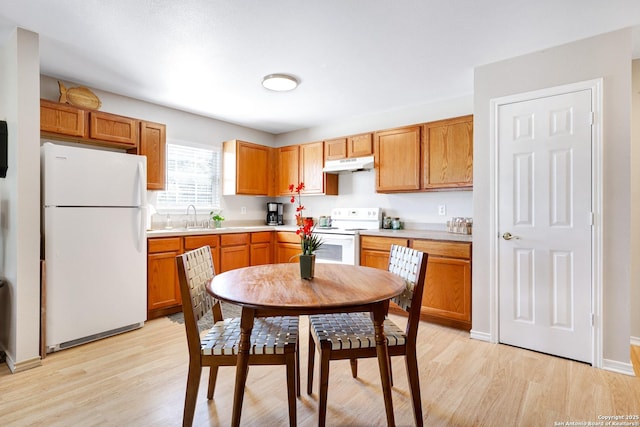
{"x": 386, "y": 222}
{"x": 395, "y": 224}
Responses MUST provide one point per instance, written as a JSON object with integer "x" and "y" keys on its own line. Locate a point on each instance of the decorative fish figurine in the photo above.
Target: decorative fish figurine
{"x": 79, "y": 96}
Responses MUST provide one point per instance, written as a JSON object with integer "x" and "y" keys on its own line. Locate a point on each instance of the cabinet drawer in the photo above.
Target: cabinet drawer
{"x": 195, "y": 242}
{"x": 287, "y": 237}
{"x": 234, "y": 239}
{"x": 444, "y": 249}
{"x": 164, "y": 244}
{"x": 381, "y": 243}
{"x": 261, "y": 237}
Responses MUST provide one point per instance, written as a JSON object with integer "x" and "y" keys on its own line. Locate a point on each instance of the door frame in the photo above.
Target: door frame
{"x": 596, "y": 88}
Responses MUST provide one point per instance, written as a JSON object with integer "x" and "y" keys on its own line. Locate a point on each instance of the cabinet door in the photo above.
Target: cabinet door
{"x": 232, "y": 257}
{"x": 113, "y": 128}
{"x": 260, "y": 253}
{"x": 397, "y": 154}
{"x": 311, "y": 163}
{"x": 287, "y": 252}
{"x": 261, "y": 247}
{"x": 162, "y": 278}
{"x": 246, "y": 168}
{"x": 448, "y": 154}
{"x": 163, "y": 287}
{"x": 335, "y": 149}
{"x": 62, "y": 119}
{"x": 288, "y": 169}
{"x": 211, "y": 240}
{"x": 360, "y": 145}
{"x": 153, "y": 145}
{"x": 375, "y": 259}
{"x": 447, "y": 291}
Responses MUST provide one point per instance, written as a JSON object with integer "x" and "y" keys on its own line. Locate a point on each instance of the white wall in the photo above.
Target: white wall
{"x": 607, "y": 56}
{"x": 358, "y": 189}
{"x": 20, "y": 200}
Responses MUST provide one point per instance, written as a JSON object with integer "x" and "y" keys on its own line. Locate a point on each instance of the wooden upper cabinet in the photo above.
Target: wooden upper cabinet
{"x": 397, "y": 159}
{"x": 62, "y": 119}
{"x": 447, "y": 154}
{"x": 311, "y": 164}
{"x": 335, "y": 149}
{"x": 153, "y": 145}
{"x": 360, "y": 145}
{"x": 69, "y": 123}
{"x": 352, "y": 146}
{"x": 288, "y": 166}
{"x": 246, "y": 168}
{"x": 110, "y": 127}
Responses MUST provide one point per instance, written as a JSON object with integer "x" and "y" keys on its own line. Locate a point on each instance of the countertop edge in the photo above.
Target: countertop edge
{"x": 404, "y": 233}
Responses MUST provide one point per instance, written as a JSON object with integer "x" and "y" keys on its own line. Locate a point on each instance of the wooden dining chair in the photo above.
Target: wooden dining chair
{"x": 274, "y": 340}
{"x": 351, "y": 336}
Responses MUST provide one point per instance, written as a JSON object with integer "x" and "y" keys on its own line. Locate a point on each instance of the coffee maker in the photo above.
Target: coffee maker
{"x": 274, "y": 213}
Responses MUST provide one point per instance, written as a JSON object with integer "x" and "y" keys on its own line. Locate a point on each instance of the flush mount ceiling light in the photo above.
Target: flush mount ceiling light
{"x": 280, "y": 82}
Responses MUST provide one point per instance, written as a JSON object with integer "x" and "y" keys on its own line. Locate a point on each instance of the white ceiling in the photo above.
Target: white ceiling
{"x": 352, "y": 57}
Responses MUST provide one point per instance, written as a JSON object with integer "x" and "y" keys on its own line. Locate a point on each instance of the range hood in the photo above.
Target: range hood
{"x": 348, "y": 165}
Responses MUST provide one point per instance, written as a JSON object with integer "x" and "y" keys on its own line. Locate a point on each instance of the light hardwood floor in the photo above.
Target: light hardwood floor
{"x": 138, "y": 379}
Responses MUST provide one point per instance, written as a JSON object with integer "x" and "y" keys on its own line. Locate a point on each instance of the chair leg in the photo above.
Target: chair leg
{"x": 414, "y": 385}
{"x": 390, "y": 370}
{"x": 324, "y": 386}
{"x": 298, "y": 368}
{"x": 354, "y": 367}
{"x": 291, "y": 385}
{"x": 310, "y": 362}
{"x": 213, "y": 375}
{"x": 191, "y": 394}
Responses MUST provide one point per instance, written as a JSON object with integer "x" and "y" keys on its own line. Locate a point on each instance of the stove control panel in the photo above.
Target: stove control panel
{"x": 364, "y": 218}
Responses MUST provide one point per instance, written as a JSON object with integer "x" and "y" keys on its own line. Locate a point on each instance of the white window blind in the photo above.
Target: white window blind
{"x": 193, "y": 177}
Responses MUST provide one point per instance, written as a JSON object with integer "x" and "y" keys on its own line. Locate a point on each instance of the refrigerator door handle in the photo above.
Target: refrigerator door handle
{"x": 142, "y": 231}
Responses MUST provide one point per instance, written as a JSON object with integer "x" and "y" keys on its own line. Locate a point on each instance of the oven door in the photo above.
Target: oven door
{"x": 337, "y": 248}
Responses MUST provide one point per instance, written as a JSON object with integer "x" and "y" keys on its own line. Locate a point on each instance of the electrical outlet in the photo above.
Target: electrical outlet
{"x": 442, "y": 209}
{"x": 243, "y": 211}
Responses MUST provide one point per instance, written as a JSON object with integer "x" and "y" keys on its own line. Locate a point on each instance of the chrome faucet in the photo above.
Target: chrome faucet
{"x": 195, "y": 216}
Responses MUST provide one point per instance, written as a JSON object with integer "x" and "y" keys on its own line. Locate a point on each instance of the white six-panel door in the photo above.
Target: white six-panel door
{"x": 544, "y": 224}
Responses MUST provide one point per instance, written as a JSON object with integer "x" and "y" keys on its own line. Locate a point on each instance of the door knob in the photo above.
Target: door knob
{"x": 509, "y": 236}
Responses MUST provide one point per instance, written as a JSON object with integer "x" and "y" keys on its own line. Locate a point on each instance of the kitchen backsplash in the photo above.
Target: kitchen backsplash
{"x": 415, "y": 210}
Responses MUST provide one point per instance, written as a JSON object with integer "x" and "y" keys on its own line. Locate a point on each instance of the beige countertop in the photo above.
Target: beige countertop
{"x": 405, "y": 233}
{"x": 419, "y": 234}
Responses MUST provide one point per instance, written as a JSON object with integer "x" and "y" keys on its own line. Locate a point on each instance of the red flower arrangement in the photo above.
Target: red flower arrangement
{"x": 308, "y": 241}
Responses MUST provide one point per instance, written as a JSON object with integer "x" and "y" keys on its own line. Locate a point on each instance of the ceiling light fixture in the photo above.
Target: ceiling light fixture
{"x": 280, "y": 82}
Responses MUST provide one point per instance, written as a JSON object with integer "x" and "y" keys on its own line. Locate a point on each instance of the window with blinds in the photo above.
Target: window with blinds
{"x": 193, "y": 177}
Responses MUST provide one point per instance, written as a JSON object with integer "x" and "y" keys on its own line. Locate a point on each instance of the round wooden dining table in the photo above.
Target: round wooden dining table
{"x": 278, "y": 290}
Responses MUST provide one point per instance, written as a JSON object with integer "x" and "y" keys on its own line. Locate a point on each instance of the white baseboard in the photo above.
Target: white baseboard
{"x": 24, "y": 365}
{"x": 619, "y": 367}
{"x": 635, "y": 341}
{"x": 480, "y": 336}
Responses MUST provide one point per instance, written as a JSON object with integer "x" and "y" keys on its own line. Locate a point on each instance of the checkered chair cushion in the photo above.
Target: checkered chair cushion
{"x": 352, "y": 330}
{"x": 269, "y": 335}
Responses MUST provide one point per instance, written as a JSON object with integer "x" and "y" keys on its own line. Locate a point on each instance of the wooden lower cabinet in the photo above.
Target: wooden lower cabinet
{"x": 211, "y": 240}
{"x": 447, "y": 293}
{"x": 163, "y": 288}
{"x": 234, "y": 251}
{"x": 287, "y": 246}
{"x": 261, "y": 248}
{"x": 229, "y": 251}
{"x": 374, "y": 251}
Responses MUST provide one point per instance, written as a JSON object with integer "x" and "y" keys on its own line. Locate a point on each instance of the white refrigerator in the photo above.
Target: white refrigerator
{"x": 94, "y": 228}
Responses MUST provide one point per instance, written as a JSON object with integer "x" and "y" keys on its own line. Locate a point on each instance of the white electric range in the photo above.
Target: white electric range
{"x": 341, "y": 241}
